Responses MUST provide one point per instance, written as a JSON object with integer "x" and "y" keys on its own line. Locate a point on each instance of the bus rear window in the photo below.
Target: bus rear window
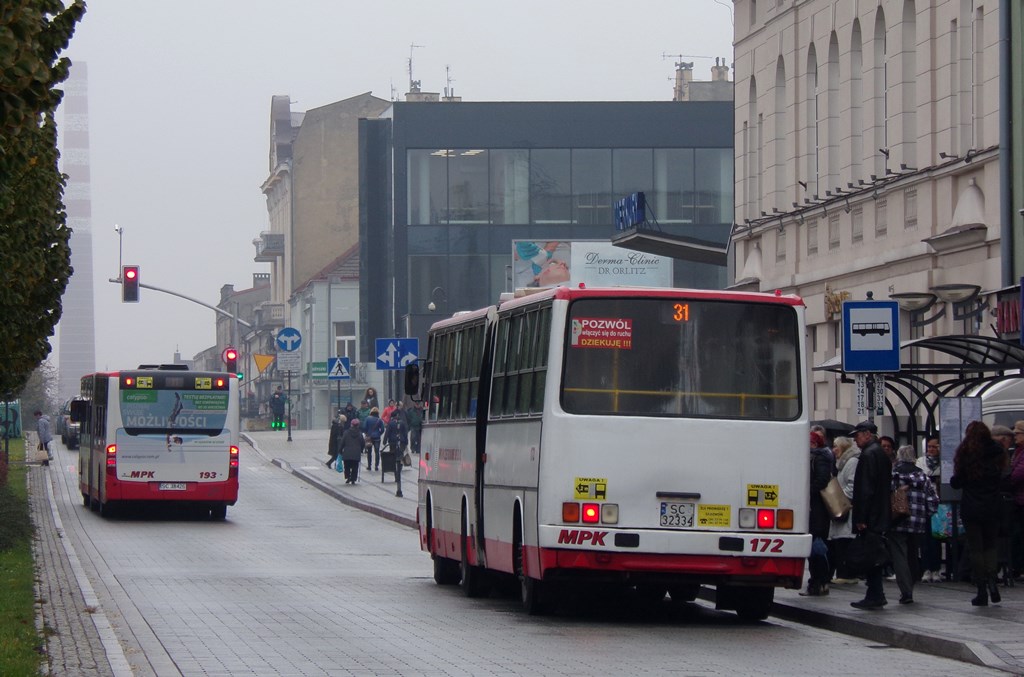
{"x": 167, "y": 411}
{"x": 682, "y": 357}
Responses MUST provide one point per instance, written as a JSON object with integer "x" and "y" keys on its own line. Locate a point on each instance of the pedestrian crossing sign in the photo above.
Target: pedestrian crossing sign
{"x": 338, "y": 368}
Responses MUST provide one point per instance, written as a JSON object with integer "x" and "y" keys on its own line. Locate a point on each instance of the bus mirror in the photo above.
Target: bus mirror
{"x": 79, "y": 410}
{"x": 412, "y": 380}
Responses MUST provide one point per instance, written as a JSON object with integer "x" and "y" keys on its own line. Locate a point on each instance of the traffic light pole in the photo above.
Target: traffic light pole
{"x": 189, "y": 298}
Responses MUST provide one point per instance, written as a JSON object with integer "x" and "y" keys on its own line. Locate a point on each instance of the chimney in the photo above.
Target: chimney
{"x": 684, "y": 75}
{"x": 719, "y": 72}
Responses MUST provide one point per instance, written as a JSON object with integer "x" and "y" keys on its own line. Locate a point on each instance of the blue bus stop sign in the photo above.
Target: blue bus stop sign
{"x": 871, "y": 337}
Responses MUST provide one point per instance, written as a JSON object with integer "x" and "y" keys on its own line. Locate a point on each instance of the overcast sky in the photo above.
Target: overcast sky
{"x": 179, "y": 114}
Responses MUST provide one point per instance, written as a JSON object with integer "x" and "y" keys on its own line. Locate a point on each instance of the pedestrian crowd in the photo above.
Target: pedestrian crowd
{"x": 397, "y": 431}
{"x": 896, "y": 526}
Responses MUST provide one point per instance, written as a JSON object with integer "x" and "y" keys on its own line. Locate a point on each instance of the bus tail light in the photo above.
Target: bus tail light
{"x": 111, "y": 458}
{"x": 784, "y": 519}
{"x": 748, "y": 518}
{"x": 570, "y": 512}
{"x": 610, "y": 513}
{"x": 233, "y": 461}
{"x": 591, "y": 513}
{"x": 765, "y": 518}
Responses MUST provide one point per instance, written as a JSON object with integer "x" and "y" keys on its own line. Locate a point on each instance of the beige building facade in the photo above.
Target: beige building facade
{"x": 868, "y": 161}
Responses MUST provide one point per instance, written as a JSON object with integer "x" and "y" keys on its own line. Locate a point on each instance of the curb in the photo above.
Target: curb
{"x": 334, "y": 492}
{"x": 943, "y": 647}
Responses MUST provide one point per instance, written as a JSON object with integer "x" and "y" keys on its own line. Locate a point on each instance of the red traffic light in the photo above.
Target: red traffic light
{"x": 130, "y": 284}
{"x": 230, "y": 356}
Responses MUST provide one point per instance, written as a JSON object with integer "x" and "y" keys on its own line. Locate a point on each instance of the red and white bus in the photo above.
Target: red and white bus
{"x": 160, "y": 433}
{"x": 650, "y": 438}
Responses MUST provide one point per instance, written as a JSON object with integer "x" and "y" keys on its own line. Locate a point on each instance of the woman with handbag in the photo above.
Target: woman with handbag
{"x": 840, "y": 531}
{"x": 821, "y": 473}
{"x": 977, "y": 471}
{"x": 905, "y": 534}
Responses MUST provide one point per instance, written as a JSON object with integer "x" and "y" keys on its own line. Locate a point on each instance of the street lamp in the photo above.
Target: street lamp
{"x": 120, "y": 238}
{"x": 444, "y": 297}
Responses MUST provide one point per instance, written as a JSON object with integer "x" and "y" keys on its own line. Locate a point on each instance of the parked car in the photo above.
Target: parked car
{"x": 65, "y": 427}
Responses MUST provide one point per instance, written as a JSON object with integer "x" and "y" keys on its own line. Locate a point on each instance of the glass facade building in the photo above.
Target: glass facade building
{"x": 447, "y": 187}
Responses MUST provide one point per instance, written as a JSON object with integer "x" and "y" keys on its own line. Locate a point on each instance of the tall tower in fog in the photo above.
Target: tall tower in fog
{"x": 77, "y": 348}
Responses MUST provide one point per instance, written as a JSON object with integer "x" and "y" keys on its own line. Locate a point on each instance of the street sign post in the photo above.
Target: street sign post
{"x": 288, "y": 359}
{"x": 871, "y": 337}
{"x": 396, "y": 353}
{"x": 339, "y": 369}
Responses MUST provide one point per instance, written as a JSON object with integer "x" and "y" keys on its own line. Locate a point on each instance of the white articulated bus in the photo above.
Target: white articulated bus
{"x": 162, "y": 433}
{"x": 650, "y": 438}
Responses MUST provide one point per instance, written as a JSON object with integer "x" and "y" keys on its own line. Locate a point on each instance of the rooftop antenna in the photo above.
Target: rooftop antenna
{"x": 449, "y": 91}
{"x": 411, "y": 47}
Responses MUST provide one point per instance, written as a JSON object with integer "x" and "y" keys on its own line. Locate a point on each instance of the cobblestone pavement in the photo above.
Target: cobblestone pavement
{"x": 68, "y": 619}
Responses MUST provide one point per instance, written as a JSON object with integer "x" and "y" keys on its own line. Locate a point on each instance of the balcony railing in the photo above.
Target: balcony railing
{"x": 269, "y": 246}
{"x": 270, "y": 315}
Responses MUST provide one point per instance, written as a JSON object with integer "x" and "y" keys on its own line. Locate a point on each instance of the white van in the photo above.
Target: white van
{"x": 1003, "y": 403}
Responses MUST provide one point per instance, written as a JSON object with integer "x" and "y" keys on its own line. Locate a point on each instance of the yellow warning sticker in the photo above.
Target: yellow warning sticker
{"x": 593, "y": 488}
{"x": 713, "y": 515}
{"x": 763, "y": 494}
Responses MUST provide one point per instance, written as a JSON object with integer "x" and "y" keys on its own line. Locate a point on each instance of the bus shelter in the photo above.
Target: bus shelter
{"x": 971, "y": 366}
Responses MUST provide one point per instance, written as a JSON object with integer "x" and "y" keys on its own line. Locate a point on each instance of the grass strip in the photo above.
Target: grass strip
{"x": 21, "y": 646}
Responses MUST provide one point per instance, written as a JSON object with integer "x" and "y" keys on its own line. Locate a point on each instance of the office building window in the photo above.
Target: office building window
{"x": 550, "y": 186}
{"x": 881, "y": 218}
{"x": 467, "y": 186}
{"x": 510, "y": 186}
{"x": 714, "y": 185}
{"x": 833, "y": 232}
{"x": 428, "y": 186}
{"x": 780, "y": 246}
{"x": 857, "y": 224}
{"x": 812, "y": 237}
{"x": 592, "y": 186}
{"x": 672, "y": 198}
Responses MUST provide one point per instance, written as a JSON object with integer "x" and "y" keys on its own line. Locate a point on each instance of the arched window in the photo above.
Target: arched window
{"x": 833, "y": 112}
{"x": 811, "y": 136}
{"x": 856, "y": 103}
{"x": 908, "y": 84}
{"x": 880, "y": 95}
{"x": 782, "y": 178}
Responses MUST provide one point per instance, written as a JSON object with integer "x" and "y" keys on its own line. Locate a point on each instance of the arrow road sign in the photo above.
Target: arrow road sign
{"x": 396, "y": 353}
{"x": 289, "y": 339}
{"x": 338, "y": 369}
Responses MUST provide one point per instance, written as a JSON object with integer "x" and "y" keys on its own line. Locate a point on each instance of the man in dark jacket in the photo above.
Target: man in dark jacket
{"x": 352, "y": 451}
{"x": 871, "y": 488}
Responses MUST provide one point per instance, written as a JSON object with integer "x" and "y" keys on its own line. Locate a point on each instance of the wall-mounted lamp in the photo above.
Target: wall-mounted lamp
{"x": 948, "y": 156}
{"x": 965, "y": 298}
{"x": 905, "y": 168}
{"x": 847, "y": 208}
{"x": 917, "y": 304}
{"x": 444, "y": 298}
{"x": 885, "y": 152}
{"x": 970, "y": 155}
{"x": 803, "y": 184}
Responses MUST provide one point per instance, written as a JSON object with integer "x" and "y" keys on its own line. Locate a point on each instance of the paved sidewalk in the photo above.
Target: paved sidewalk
{"x": 940, "y": 622}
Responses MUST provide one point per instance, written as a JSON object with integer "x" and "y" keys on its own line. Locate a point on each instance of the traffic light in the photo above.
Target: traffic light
{"x": 129, "y": 284}
{"x": 230, "y": 356}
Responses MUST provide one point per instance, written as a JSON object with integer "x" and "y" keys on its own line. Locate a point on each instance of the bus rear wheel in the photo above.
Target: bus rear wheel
{"x": 219, "y": 513}
{"x": 446, "y": 571}
{"x": 475, "y": 581}
{"x": 532, "y": 593}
